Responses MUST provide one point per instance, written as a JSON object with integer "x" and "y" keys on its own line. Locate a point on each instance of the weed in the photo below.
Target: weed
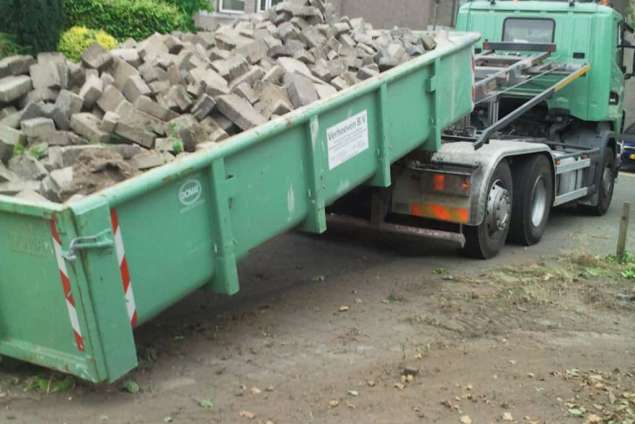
{"x": 53, "y": 383}
{"x": 395, "y": 298}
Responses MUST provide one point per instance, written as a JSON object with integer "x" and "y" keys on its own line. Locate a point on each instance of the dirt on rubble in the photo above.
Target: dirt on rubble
{"x": 97, "y": 169}
{"x": 371, "y": 339}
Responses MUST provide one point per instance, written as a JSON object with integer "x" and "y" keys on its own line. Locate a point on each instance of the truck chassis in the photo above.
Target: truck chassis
{"x": 493, "y": 178}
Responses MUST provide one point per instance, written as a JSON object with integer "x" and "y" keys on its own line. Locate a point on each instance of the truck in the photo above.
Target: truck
{"x": 470, "y": 143}
{"x": 546, "y": 129}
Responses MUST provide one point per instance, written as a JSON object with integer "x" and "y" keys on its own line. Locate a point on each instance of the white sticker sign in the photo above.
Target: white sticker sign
{"x": 347, "y": 139}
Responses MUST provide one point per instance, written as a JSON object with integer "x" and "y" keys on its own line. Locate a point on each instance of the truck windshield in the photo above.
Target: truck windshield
{"x": 523, "y": 30}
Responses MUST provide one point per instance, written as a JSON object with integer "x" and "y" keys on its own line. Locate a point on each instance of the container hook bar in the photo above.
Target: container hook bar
{"x": 102, "y": 240}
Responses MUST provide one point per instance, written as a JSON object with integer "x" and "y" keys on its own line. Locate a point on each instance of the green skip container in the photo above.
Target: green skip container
{"x": 77, "y": 278}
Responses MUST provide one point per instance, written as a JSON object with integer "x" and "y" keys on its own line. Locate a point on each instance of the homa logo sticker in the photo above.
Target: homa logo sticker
{"x": 190, "y": 192}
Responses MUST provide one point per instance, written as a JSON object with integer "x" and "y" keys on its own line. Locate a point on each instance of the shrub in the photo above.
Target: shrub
{"x": 8, "y": 16}
{"x": 189, "y": 8}
{"x": 35, "y": 23}
{"x": 9, "y": 46}
{"x": 77, "y": 39}
{"x": 136, "y": 19}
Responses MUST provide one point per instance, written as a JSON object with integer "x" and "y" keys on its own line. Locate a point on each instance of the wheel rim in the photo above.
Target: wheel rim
{"x": 538, "y": 202}
{"x": 499, "y": 208}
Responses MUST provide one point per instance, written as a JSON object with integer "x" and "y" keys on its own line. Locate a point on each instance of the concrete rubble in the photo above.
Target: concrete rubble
{"x": 70, "y": 129}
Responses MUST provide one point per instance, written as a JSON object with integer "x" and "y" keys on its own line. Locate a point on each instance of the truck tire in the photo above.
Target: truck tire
{"x": 533, "y": 198}
{"x": 606, "y": 185}
{"x": 486, "y": 240}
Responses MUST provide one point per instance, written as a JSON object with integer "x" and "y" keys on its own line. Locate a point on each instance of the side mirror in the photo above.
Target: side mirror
{"x": 626, "y": 45}
{"x": 631, "y": 74}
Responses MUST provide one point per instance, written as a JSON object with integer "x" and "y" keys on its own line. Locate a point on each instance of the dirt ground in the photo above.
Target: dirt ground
{"x": 344, "y": 328}
{"x": 369, "y": 340}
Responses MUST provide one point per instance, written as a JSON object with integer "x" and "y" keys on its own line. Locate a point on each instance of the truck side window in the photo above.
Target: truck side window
{"x": 523, "y": 30}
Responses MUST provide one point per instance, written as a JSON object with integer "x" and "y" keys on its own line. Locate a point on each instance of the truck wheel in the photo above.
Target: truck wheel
{"x": 486, "y": 240}
{"x": 606, "y": 187}
{"x": 533, "y": 198}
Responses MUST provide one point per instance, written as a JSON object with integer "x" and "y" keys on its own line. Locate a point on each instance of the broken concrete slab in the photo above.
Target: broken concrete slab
{"x": 203, "y": 107}
{"x": 9, "y": 139}
{"x": 135, "y": 117}
{"x": 45, "y": 75}
{"x": 123, "y": 71}
{"x": 87, "y": 125}
{"x": 91, "y": 91}
{"x": 429, "y": 43}
{"x": 6, "y": 175}
{"x": 135, "y": 134}
{"x": 148, "y": 160}
{"x": 273, "y": 75}
{"x": 252, "y": 77}
{"x": 58, "y": 184}
{"x": 153, "y": 47}
{"x": 367, "y": 72}
{"x": 64, "y": 138}
{"x": 37, "y": 128}
{"x": 301, "y": 90}
{"x": 188, "y": 130}
{"x": 135, "y": 87}
{"x": 291, "y": 66}
{"x": 215, "y": 85}
{"x": 215, "y": 132}
{"x": 96, "y": 57}
{"x": 130, "y": 55}
{"x": 325, "y": 91}
{"x": 66, "y": 105}
{"x": 109, "y": 122}
{"x": 178, "y": 99}
{"x": 27, "y": 167}
{"x": 255, "y": 51}
{"x": 14, "y": 87}
{"x": 147, "y": 105}
{"x": 231, "y": 68}
{"x": 11, "y": 188}
{"x": 240, "y": 112}
{"x": 245, "y": 91}
{"x": 111, "y": 98}
{"x": 31, "y": 196}
{"x": 17, "y": 65}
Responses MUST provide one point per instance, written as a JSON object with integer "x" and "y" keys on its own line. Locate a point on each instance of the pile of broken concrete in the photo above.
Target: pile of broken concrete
{"x": 68, "y": 129}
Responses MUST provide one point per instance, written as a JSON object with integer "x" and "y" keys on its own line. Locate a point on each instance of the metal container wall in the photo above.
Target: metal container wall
{"x": 75, "y": 279}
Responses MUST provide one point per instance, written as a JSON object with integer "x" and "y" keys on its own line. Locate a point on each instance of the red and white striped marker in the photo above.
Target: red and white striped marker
{"x": 123, "y": 267}
{"x": 66, "y": 285}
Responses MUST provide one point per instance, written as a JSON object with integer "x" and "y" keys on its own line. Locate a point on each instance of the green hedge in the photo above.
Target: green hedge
{"x": 9, "y": 46}
{"x": 189, "y": 8}
{"x": 33, "y": 23}
{"x": 137, "y": 19}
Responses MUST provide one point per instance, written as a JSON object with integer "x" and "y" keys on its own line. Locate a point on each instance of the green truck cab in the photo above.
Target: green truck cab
{"x": 589, "y": 33}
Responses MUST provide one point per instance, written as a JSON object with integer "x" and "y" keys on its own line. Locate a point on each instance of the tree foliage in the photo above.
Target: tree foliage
{"x": 34, "y": 23}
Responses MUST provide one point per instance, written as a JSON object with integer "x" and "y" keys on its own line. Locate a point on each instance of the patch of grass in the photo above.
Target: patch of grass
{"x": 52, "y": 383}
{"x": 395, "y": 298}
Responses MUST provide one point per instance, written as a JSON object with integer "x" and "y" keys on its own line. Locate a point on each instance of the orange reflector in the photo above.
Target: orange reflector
{"x": 440, "y": 212}
{"x": 438, "y": 182}
{"x": 465, "y": 185}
